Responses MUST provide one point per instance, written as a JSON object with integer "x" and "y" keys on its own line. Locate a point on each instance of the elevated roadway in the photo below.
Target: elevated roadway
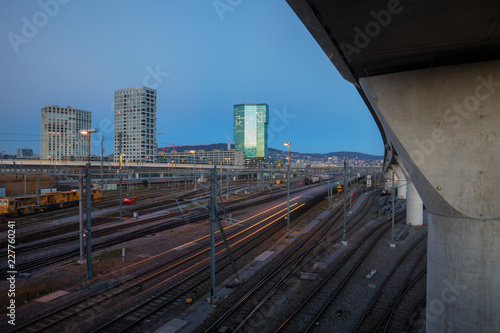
{"x": 429, "y": 72}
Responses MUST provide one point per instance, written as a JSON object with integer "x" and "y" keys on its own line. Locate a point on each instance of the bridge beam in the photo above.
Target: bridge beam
{"x": 443, "y": 123}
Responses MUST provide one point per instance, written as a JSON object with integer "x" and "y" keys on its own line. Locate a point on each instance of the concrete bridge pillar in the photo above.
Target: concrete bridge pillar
{"x": 414, "y": 206}
{"x": 444, "y": 124}
{"x": 400, "y": 181}
{"x": 388, "y": 179}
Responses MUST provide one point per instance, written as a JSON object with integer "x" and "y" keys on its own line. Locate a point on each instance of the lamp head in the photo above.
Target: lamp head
{"x": 90, "y": 130}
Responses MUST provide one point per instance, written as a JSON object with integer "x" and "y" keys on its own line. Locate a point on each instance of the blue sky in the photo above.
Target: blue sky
{"x": 200, "y": 60}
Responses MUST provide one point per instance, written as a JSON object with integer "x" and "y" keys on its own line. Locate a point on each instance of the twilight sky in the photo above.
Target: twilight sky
{"x": 202, "y": 57}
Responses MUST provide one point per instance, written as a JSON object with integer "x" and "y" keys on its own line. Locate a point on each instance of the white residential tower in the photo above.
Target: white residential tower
{"x": 135, "y": 123}
{"x": 60, "y": 137}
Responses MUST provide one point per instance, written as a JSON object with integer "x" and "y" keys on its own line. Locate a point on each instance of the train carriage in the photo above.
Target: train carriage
{"x": 38, "y": 203}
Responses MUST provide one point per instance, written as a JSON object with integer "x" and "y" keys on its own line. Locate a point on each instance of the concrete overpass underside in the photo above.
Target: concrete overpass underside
{"x": 429, "y": 72}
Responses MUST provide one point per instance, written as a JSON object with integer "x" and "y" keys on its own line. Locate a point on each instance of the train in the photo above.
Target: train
{"x": 29, "y": 204}
{"x": 315, "y": 179}
{"x": 311, "y": 180}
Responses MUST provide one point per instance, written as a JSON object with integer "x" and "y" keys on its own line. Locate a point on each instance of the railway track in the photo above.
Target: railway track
{"x": 247, "y": 310}
{"x": 174, "y": 220}
{"x": 32, "y": 264}
{"x": 164, "y": 304}
{"x": 73, "y": 227}
{"x": 97, "y": 221}
{"x": 388, "y": 310}
{"x": 107, "y": 201}
{"x": 303, "y": 320}
{"x": 169, "y": 273}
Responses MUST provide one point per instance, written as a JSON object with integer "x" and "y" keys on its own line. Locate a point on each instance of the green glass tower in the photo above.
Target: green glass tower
{"x": 250, "y": 129}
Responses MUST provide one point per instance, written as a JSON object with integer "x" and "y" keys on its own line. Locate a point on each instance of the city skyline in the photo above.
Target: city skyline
{"x": 201, "y": 59}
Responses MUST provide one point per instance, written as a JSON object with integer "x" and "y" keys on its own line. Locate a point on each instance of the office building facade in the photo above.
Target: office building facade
{"x": 135, "y": 124}
{"x": 24, "y": 153}
{"x": 250, "y": 131}
{"x": 217, "y": 157}
{"x": 60, "y": 136}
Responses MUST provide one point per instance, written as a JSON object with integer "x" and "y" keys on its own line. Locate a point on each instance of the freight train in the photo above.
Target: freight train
{"x": 315, "y": 179}
{"x": 22, "y": 205}
{"x": 311, "y": 180}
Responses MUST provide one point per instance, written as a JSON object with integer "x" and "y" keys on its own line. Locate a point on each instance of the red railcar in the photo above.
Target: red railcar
{"x": 129, "y": 201}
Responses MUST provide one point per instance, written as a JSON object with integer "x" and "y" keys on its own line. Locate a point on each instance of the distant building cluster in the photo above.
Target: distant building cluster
{"x": 230, "y": 157}
{"x": 135, "y": 137}
{"x": 61, "y": 129}
{"x": 63, "y": 136}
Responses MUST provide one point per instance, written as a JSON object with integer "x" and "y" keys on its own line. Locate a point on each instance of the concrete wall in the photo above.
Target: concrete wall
{"x": 463, "y": 275}
{"x": 444, "y": 124}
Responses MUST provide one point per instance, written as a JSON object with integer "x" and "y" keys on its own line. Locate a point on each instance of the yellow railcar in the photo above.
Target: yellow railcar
{"x": 38, "y": 203}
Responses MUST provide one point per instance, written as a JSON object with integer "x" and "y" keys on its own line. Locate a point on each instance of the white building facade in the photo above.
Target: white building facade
{"x": 60, "y": 136}
{"x": 135, "y": 124}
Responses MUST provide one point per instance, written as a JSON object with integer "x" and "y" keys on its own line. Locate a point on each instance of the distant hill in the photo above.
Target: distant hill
{"x": 276, "y": 153}
{"x": 219, "y": 146}
{"x": 342, "y": 154}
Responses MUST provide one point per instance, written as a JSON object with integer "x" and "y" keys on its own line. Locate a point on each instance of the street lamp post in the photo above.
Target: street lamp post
{"x": 227, "y": 180}
{"x": 120, "y": 177}
{"x": 330, "y": 190}
{"x": 80, "y": 211}
{"x": 350, "y": 189}
{"x": 102, "y": 161}
{"x": 88, "y": 132}
{"x": 194, "y": 157}
{"x": 149, "y": 175}
{"x": 287, "y": 144}
{"x": 172, "y": 182}
{"x": 51, "y": 172}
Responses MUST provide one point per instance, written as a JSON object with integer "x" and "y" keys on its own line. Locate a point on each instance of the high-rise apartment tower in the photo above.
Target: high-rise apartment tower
{"x": 135, "y": 123}
{"x": 60, "y": 137}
